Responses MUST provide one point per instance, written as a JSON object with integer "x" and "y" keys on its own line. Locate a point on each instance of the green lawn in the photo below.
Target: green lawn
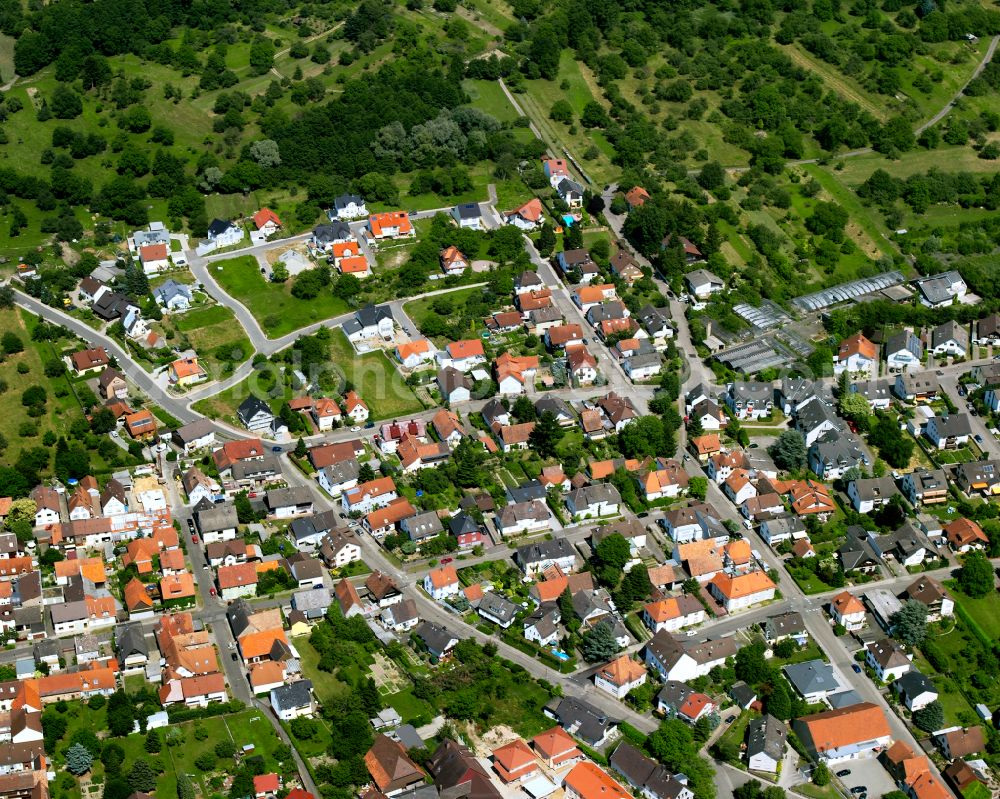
{"x": 410, "y": 707}
{"x": 272, "y": 304}
{"x": 488, "y": 97}
{"x": 985, "y": 611}
{"x": 247, "y": 727}
{"x": 216, "y": 335}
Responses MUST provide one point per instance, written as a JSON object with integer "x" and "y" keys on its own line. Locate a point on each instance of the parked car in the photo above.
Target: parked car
{"x": 446, "y": 560}
{"x": 234, "y": 657}
{"x": 856, "y": 667}
{"x": 844, "y": 772}
{"x": 194, "y": 539}
{"x": 275, "y": 449}
{"x": 978, "y": 438}
{"x": 858, "y": 789}
{"x": 356, "y": 429}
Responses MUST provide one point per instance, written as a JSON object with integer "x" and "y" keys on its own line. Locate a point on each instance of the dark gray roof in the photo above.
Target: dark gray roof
{"x": 462, "y": 523}
{"x": 422, "y": 525}
{"x": 372, "y": 314}
{"x": 768, "y": 735}
{"x": 468, "y": 211}
{"x": 288, "y": 497}
{"x": 332, "y": 231}
{"x": 266, "y": 466}
{"x": 294, "y": 695}
{"x": 790, "y": 623}
{"x": 526, "y": 492}
{"x": 913, "y": 683}
{"x": 436, "y": 637}
{"x": 552, "y": 549}
{"x": 498, "y": 607}
{"x": 218, "y": 227}
{"x": 217, "y": 518}
{"x": 582, "y": 719}
{"x": 856, "y": 551}
{"x": 251, "y": 407}
{"x": 811, "y": 676}
{"x": 130, "y": 640}
{"x": 343, "y": 200}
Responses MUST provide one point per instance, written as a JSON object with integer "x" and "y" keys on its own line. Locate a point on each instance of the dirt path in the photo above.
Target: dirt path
{"x": 833, "y": 81}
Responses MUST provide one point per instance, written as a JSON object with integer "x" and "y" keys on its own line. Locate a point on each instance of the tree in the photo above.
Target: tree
{"x": 546, "y": 436}
{"x": 523, "y": 409}
{"x": 929, "y": 718}
{"x": 779, "y": 701}
{"x": 21, "y": 510}
{"x": 65, "y": 103}
{"x": 647, "y": 436}
{"x": 141, "y": 776}
{"x": 821, "y": 774}
{"x": 909, "y": 623}
{"x": 613, "y": 551}
{"x": 698, "y": 487}
{"x": 225, "y": 749}
{"x": 301, "y": 450}
{"x": 205, "y": 761}
{"x": 11, "y": 343}
{"x": 153, "y": 742}
{"x": 265, "y": 152}
{"x": 598, "y": 644}
{"x": 261, "y": 56}
{"x": 78, "y": 759}
{"x": 121, "y": 715}
{"x": 975, "y": 578}
{"x": 185, "y": 788}
{"x": 854, "y": 407}
{"x": 789, "y": 451}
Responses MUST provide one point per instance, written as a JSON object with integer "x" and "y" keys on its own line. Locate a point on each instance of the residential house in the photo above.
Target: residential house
{"x": 173, "y": 296}
{"x": 438, "y": 640}
{"x": 987, "y": 330}
{"x": 856, "y": 354}
{"x": 887, "y": 659}
{"x": 455, "y": 387}
{"x": 570, "y": 192}
{"x": 294, "y": 700}
{"x": 948, "y": 432}
{"x": 369, "y": 322}
{"x": 701, "y": 283}
{"x": 348, "y": 206}
{"x": 355, "y": 407}
{"x": 941, "y": 290}
{"x": 870, "y": 494}
{"x": 442, "y": 583}
{"x": 90, "y": 360}
{"x": 466, "y": 355}
{"x": 111, "y": 385}
{"x": 750, "y": 400}
{"x": 878, "y": 393}
{"x": 766, "y": 743}
{"x": 390, "y": 225}
{"x": 538, "y": 557}
{"x": 848, "y": 611}
{"x": 845, "y": 734}
{"x": 625, "y": 267}
{"x": 684, "y": 661}
{"x": 836, "y": 452}
{"x": 931, "y": 594}
{"x": 925, "y": 486}
{"x": 903, "y": 352}
{"x": 964, "y": 535}
{"x": 581, "y": 366}
{"x": 223, "y": 233}
{"x": 620, "y": 677}
{"x": 581, "y": 719}
{"x": 525, "y": 217}
{"x": 186, "y": 372}
{"x": 255, "y": 414}
{"x": 922, "y": 387}
{"x": 154, "y": 258}
{"x": 266, "y": 222}
{"x": 956, "y": 742}
{"x": 950, "y": 339}
{"x": 468, "y": 215}
{"x": 414, "y": 354}
{"x": 915, "y": 690}
{"x": 673, "y": 613}
{"x": 782, "y": 528}
{"x": 594, "y": 501}
{"x": 742, "y": 590}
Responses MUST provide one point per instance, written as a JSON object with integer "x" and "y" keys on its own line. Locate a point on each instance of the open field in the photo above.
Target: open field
{"x": 60, "y": 411}
{"x": 372, "y": 375}
{"x": 216, "y": 335}
{"x": 538, "y": 100}
{"x": 272, "y": 304}
{"x": 487, "y": 96}
{"x": 248, "y": 727}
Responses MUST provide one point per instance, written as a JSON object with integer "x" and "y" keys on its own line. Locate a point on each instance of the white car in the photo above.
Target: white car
{"x": 356, "y": 429}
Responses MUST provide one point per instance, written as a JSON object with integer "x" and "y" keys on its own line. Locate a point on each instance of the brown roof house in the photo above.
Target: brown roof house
{"x": 391, "y": 768}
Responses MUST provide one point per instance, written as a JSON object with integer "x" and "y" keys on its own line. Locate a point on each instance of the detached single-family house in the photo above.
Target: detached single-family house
{"x": 942, "y": 290}
{"x": 903, "y": 352}
{"x": 594, "y": 501}
{"x": 702, "y": 284}
{"x": 855, "y": 354}
{"x": 173, "y": 296}
{"x": 525, "y": 217}
{"x": 950, "y": 338}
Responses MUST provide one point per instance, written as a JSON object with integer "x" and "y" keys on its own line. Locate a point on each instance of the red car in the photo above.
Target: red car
{"x": 194, "y": 539}
{"x": 211, "y": 591}
{"x": 446, "y": 560}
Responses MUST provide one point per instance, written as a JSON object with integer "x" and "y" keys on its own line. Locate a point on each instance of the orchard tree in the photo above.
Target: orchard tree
{"x": 975, "y": 578}
{"x": 929, "y": 718}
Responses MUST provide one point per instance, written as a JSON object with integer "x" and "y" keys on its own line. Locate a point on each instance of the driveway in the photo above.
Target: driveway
{"x": 867, "y": 772}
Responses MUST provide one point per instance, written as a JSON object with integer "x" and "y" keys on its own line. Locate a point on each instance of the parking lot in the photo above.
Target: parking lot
{"x": 868, "y": 772}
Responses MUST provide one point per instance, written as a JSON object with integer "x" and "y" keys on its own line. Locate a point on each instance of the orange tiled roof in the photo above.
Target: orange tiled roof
{"x": 531, "y": 211}
{"x": 353, "y": 265}
{"x": 265, "y": 215}
{"x": 466, "y": 348}
{"x": 396, "y": 219}
{"x": 845, "y": 603}
{"x": 588, "y": 781}
{"x": 153, "y": 252}
{"x": 742, "y": 585}
{"x": 136, "y": 597}
{"x": 404, "y": 351}
{"x": 267, "y": 672}
{"x": 237, "y": 575}
{"x": 833, "y": 729}
{"x": 258, "y": 644}
{"x": 707, "y": 443}
{"x": 857, "y": 345}
{"x": 177, "y": 586}
{"x": 622, "y": 671}
{"x": 443, "y": 576}
{"x": 555, "y": 744}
